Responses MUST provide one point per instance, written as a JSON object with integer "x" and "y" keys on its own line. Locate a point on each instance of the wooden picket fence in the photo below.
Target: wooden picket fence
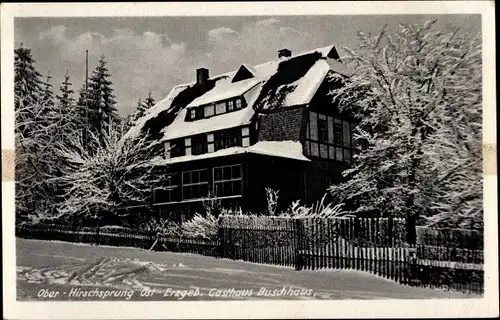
{"x": 374, "y": 245}
{"x": 438, "y": 258}
{"x": 119, "y": 238}
{"x": 258, "y": 239}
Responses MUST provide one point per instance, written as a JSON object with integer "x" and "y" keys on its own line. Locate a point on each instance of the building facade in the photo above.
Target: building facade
{"x": 232, "y": 136}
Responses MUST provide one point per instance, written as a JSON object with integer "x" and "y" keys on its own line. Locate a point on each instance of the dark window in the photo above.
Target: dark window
{"x": 170, "y": 192}
{"x": 195, "y": 113}
{"x": 195, "y": 184}
{"x": 322, "y": 130}
{"x": 337, "y": 133}
{"x": 199, "y": 144}
{"x": 178, "y": 148}
{"x": 227, "y": 181}
{"x": 227, "y": 139}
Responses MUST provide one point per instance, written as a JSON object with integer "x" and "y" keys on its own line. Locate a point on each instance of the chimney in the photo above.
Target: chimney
{"x": 284, "y": 53}
{"x": 201, "y": 76}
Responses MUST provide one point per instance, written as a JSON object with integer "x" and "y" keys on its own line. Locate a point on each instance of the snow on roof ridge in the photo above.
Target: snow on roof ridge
{"x": 283, "y": 149}
{"x": 255, "y": 67}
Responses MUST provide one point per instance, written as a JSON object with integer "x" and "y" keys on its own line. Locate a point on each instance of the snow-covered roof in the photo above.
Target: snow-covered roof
{"x": 225, "y": 89}
{"x": 295, "y": 78}
{"x": 180, "y": 128}
{"x": 281, "y": 149}
{"x": 154, "y": 111}
{"x": 307, "y": 86}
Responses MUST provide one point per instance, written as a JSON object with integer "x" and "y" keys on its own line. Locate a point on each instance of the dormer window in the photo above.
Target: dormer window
{"x": 221, "y": 107}
{"x": 209, "y": 110}
{"x": 238, "y": 104}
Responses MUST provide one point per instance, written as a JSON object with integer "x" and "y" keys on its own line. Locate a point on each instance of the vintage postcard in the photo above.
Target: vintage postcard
{"x": 249, "y": 159}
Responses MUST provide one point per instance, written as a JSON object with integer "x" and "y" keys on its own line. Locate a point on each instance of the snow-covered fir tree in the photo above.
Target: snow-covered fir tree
{"x": 417, "y": 97}
{"x": 27, "y": 80}
{"x": 65, "y": 97}
{"x": 149, "y": 102}
{"x": 67, "y": 107}
{"x": 48, "y": 95}
{"x": 142, "y": 107}
{"x": 102, "y": 111}
{"x": 36, "y": 132}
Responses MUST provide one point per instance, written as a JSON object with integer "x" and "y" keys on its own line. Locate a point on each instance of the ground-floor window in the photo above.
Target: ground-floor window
{"x": 195, "y": 184}
{"x": 170, "y": 192}
{"x": 227, "y": 180}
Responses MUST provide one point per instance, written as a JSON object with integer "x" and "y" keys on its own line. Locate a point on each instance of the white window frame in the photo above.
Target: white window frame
{"x": 209, "y": 107}
{"x": 238, "y": 104}
{"x": 220, "y": 105}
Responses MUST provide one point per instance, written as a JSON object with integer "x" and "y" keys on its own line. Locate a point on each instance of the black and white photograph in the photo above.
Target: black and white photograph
{"x": 172, "y": 156}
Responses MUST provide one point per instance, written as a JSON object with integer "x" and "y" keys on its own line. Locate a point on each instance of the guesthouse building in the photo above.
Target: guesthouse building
{"x": 233, "y": 135}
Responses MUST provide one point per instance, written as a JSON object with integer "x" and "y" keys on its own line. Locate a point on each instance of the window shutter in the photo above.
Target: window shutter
{"x": 167, "y": 150}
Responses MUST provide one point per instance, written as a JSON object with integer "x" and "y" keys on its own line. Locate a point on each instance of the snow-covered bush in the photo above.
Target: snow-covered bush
{"x": 272, "y": 201}
{"x": 116, "y": 174}
{"x": 161, "y": 227}
{"x": 201, "y": 226}
{"x": 317, "y": 210}
{"x": 212, "y": 205}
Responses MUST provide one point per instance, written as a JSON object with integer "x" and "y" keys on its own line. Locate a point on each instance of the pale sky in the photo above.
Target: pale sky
{"x": 155, "y": 53}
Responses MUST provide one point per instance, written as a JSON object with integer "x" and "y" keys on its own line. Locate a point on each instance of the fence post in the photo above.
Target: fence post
{"x": 220, "y": 236}
{"x": 298, "y": 236}
{"x": 411, "y": 238}
{"x": 97, "y": 234}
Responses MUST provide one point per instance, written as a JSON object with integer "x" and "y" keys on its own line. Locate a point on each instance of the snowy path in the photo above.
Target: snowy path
{"x": 60, "y": 266}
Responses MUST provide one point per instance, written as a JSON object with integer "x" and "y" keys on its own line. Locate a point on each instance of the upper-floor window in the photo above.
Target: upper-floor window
{"x": 239, "y": 104}
{"x": 329, "y": 138}
{"x": 322, "y": 130}
{"x": 199, "y": 144}
{"x": 227, "y": 139}
{"x": 208, "y": 142}
{"x": 220, "y": 107}
{"x": 178, "y": 148}
{"x": 213, "y": 109}
{"x": 209, "y": 110}
{"x": 337, "y": 132}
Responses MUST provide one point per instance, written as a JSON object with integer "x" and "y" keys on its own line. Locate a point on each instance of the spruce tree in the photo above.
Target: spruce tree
{"x": 65, "y": 98}
{"x": 142, "y": 107}
{"x": 48, "y": 95}
{"x": 27, "y": 83}
{"x": 149, "y": 102}
{"x": 102, "y": 110}
{"x": 67, "y": 108}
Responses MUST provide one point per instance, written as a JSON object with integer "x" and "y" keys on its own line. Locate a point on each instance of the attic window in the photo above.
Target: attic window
{"x": 213, "y": 109}
{"x": 242, "y": 74}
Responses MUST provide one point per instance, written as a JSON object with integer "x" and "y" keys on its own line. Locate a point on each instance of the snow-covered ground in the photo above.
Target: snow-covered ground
{"x": 61, "y": 267}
